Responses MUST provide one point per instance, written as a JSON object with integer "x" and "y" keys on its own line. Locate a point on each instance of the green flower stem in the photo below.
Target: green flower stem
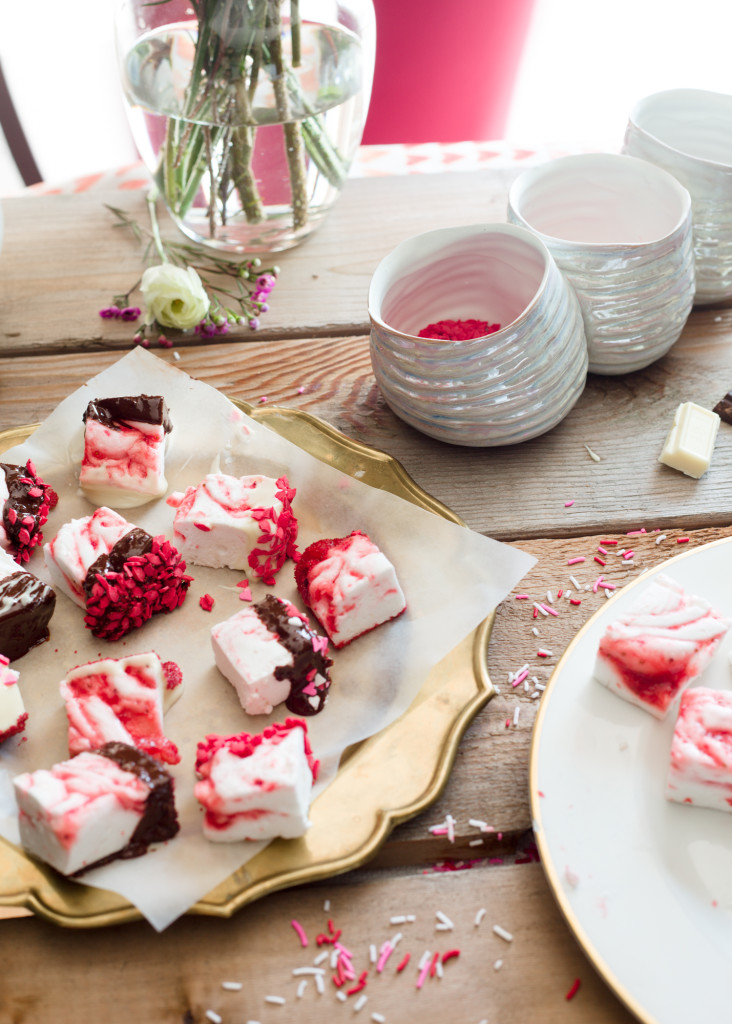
{"x": 242, "y": 152}
{"x": 151, "y": 200}
{"x": 295, "y": 22}
{"x": 294, "y": 148}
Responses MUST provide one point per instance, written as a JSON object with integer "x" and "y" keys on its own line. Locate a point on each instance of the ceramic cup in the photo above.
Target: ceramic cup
{"x": 498, "y": 389}
{"x": 620, "y": 230}
{"x": 688, "y": 132}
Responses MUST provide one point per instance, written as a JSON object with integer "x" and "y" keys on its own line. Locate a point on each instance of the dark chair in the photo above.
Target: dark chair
{"x": 15, "y": 136}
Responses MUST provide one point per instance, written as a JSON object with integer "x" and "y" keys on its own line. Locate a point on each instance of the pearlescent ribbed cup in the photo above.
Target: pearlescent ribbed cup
{"x": 688, "y": 132}
{"x": 620, "y": 230}
{"x": 502, "y": 388}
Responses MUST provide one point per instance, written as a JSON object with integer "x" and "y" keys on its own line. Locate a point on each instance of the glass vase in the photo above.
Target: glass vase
{"x": 247, "y": 113}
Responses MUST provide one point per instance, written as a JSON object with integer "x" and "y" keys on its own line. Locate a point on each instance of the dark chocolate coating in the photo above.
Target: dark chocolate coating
{"x": 135, "y": 542}
{"x": 297, "y": 638}
{"x": 139, "y": 408}
{"x": 723, "y": 408}
{"x": 19, "y": 499}
{"x": 26, "y": 607}
{"x": 160, "y": 820}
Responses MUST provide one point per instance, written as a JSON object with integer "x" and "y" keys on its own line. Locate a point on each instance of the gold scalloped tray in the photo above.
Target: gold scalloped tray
{"x": 381, "y": 781}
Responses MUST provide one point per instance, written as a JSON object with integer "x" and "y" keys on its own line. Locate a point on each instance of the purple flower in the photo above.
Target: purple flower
{"x": 130, "y": 313}
{"x": 254, "y": 324}
{"x": 109, "y": 313}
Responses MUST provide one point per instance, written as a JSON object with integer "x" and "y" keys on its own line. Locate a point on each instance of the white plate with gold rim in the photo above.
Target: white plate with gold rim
{"x": 646, "y": 885}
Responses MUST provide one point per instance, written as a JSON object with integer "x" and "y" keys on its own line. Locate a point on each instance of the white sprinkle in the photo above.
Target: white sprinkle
{"x": 535, "y": 694}
{"x": 534, "y": 630}
{"x": 232, "y": 986}
{"x": 443, "y": 928}
{"x": 661, "y": 536}
{"x": 360, "y": 1003}
{"x": 450, "y": 822}
{"x": 540, "y": 609}
{"x": 476, "y": 842}
{"x": 549, "y": 597}
{"x": 496, "y": 689}
{"x": 319, "y": 984}
{"x": 516, "y": 715}
{"x": 406, "y": 918}
{"x": 372, "y": 953}
{"x": 396, "y": 940}
{"x": 526, "y": 685}
{"x": 524, "y": 668}
{"x": 567, "y": 594}
{"x": 510, "y": 677}
{"x": 588, "y": 586}
{"x": 540, "y": 686}
{"x": 545, "y": 653}
{"x": 334, "y": 958}
{"x": 342, "y": 996}
{"x": 326, "y": 906}
{"x": 301, "y": 988}
{"x": 535, "y": 681}
{"x": 321, "y": 957}
{"x": 571, "y": 876}
{"x": 307, "y": 970}
{"x": 252, "y": 1022}
{"x": 608, "y": 593}
{"x": 502, "y": 933}
{"x": 214, "y": 1017}
{"x": 498, "y": 965}
{"x": 477, "y": 823}
{"x": 621, "y": 552}
{"x": 575, "y": 584}
{"x": 718, "y": 319}
{"x": 275, "y": 1000}
{"x": 479, "y": 916}
{"x": 438, "y": 969}
{"x": 425, "y": 959}
{"x": 593, "y": 455}
{"x": 378, "y": 1018}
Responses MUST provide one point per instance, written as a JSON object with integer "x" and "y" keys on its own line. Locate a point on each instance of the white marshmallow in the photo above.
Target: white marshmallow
{"x": 12, "y": 708}
{"x": 137, "y": 686}
{"x": 79, "y": 811}
{"x": 123, "y": 467}
{"x": 247, "y": 654}
{"x": 700, "y": 769}
{"x": 214, "y": 524}
{"x": 77, "y": 545}
{"x": 264, "y": 795}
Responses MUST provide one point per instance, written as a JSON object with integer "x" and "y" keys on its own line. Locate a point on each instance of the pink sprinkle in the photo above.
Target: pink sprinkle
{"x": 520, "y": 677}
{"x": 574, "y": 600}
{"x": 543, "y": 654}
{"x": 551, "y": 611}
{"x": 601, "y": 550}
{"x": 206, "y": 602}
{"x": 300, "y": 391}
{"x": 245, "y": 592}
{"x": 450, "y": 954}
{"x": 575, "y": 561}
{"x": 404, "y": 962}
{"x": 300, "y": 932}
{"x": 536, "y": 613}
{"x": 559, "y": 593}
{"x": 521, "y": 597}
{"x": 568, "y": 504}
{"x": 386, "y": 950}
{"x": 263, "y": 399}
{"x": 423, "y": 974}
{"x": 627, "y": 555}
{"x": 635, "y": 533}
{"x": 599, "y": 560}
{"x": 682, "y": 540}
{"x": 573, "y": 990}
{"x": 608, "y": 586}
{"x": 597, "y": 583}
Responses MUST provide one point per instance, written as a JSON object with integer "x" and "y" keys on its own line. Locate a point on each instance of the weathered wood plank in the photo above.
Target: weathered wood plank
{"x": 510, "y": 492}
{"x": 130, "y": 973}
{"x": 63, "y": 260}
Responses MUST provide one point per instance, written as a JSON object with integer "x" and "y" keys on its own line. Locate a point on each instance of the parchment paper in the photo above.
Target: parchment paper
{"x": 452, "y": 579}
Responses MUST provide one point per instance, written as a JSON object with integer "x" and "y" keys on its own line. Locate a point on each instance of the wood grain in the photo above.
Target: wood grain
{"x": 130, "y": 973}
{"x": 63, "y": 259}
{"x": 509, "y": 493}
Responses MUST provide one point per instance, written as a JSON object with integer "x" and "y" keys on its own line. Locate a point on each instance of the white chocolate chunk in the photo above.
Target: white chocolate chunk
{"x": 690, "y": 442}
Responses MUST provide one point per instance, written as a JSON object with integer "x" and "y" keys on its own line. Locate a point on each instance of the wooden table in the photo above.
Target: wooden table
{"x": 61, "y": 262}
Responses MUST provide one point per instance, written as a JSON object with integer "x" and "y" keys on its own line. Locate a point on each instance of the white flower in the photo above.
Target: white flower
{"x": 174, "y": 296}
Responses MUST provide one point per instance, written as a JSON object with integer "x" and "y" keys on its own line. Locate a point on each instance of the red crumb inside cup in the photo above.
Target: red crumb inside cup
{"x": 458, "y": 330}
